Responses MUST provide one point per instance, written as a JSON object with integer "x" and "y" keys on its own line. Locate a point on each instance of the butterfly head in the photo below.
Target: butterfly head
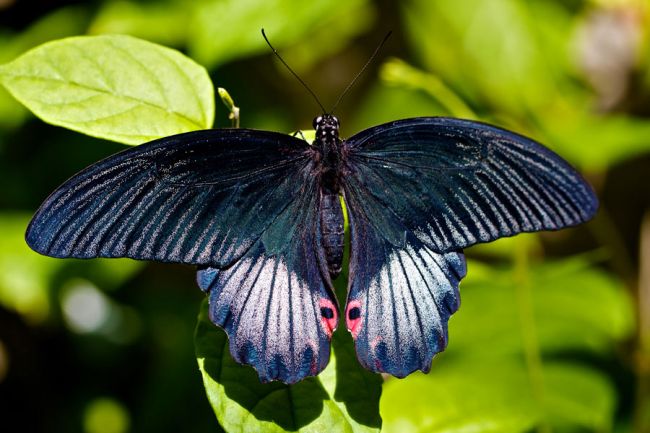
{"x": 326, "y": 126}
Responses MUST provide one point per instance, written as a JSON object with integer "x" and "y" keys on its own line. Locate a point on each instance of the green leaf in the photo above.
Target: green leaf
{"x": 398, "y": 72}
{"x": 114, "y": 87}
{"x": 461, "y": 396}
{"x": 594, "y": 141}
{"x": 575, "y": 395}
{"x": 222, "y": 30}
{"x": 164, "y": 22}
{"x": 576, "y": 307}
{"x": 344, "y": 397}
{"x": 508, "y": 54}
{"x": 474, "y": 394}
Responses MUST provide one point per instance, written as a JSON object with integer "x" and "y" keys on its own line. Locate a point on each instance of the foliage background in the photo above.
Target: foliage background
{"x": 554, "y": 330}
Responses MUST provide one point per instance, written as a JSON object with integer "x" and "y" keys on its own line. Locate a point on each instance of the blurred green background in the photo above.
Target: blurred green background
{"x": 554, "y": 329}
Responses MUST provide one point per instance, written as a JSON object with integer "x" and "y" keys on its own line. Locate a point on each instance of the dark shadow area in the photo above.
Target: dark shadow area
{"x": 360, "y": 389}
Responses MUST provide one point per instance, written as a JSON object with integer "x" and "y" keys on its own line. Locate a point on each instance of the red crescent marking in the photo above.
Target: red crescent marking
{"x": 329, "y": 325}
{"x": 354, "y": 325}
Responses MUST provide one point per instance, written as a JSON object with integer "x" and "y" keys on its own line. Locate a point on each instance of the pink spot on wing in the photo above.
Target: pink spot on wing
{"x": 328, "y": 316}
{"x": 353, "y": 317}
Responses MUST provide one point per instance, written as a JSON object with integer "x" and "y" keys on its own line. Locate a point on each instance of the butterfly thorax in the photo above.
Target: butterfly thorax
{"x": 328, "y": 144}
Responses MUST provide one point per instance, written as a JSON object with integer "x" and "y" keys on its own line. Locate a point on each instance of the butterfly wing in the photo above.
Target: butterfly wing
{"x": 276, "y": 303}
{"x": 242, "y": 203}
{"x": 400, "y": 296}
{"x": 417, "y": 192}
{"x": 454, "y": 183}
{"x": 202, "y": 197}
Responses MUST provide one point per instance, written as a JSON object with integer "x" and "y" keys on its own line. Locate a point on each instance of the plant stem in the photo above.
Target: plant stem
{"x": 529, "y": 331}
{"x": 642, "y": 409}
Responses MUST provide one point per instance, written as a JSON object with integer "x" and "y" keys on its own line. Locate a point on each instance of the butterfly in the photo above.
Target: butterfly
{"x": 260, "y": 214}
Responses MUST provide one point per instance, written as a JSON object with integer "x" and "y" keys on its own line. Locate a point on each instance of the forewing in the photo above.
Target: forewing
{"x": 454, "y": 183}
{"x": 202, "y": 197}
{"x": 400, "y": 297}
{"x": 276, "y": 303}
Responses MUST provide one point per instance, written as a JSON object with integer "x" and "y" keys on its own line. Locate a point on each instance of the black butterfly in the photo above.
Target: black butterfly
{"x": 260, "y": 213}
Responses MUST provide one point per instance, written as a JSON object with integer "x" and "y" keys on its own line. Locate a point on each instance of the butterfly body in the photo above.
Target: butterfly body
{"x": 260, "y": 213}
{"x": 332, "y": 231}
{"x": 329, "y": 159}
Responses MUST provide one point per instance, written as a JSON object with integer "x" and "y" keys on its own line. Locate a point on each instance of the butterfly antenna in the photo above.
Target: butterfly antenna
{"x": 381, "y": 44}
{"x": 294, "y": 74}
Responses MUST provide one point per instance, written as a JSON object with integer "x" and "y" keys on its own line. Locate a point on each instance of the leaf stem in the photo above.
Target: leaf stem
{"x": 528, "y": 329}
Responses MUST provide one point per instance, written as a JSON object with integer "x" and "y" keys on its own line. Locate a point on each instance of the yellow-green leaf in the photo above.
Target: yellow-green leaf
{"x": 115, "y": 87}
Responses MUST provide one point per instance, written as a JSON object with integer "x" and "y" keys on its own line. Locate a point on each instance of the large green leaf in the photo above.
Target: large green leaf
{"x": 343, "y": 398}
{"x": 114, "y": 87}
{"x": 461, "y": 396}
{"x": 472, "y": 394}
{"x": 576, "y": 307}
{"x": 576, "y": 395}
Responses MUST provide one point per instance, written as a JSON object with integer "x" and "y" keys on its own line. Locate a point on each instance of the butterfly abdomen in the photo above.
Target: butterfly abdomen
{"x": 331, "y": 222}
{"x": 331, "y": 214}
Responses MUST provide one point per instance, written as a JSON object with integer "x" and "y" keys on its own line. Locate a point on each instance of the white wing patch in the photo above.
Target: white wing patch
{"x": 402, "y": 314}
